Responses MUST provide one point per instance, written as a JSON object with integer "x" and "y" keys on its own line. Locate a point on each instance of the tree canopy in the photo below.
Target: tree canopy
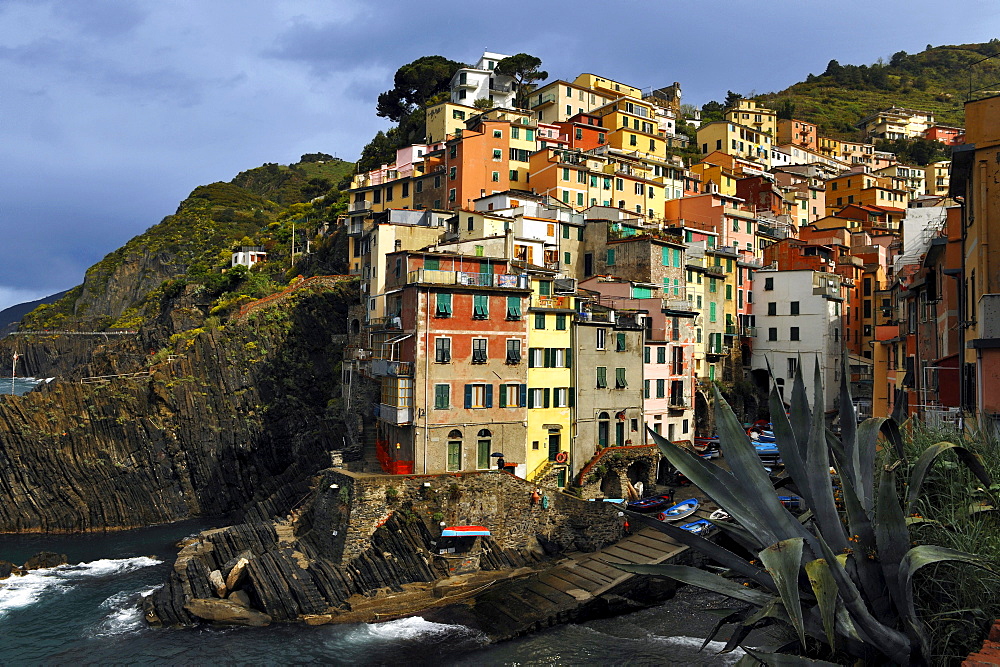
{"x": 524, "y": 68}
{"x": 414, "y": 84}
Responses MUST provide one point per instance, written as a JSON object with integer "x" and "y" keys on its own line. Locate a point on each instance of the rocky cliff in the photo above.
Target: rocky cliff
{"x": 225, "y": 419}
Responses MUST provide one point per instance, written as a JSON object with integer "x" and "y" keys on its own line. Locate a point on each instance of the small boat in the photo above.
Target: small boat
{"x": 613, "y": 501}
{"x": 650, "y": 504}
{"x": 465, "y": 531}
{"x": 681, "y": 510}
{"x": 791, "y": 502}
{"x": 698, "y": 527}
{"x": 720, "y": 515}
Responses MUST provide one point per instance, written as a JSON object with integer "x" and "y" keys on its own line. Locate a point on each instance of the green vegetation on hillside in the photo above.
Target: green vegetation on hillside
{"x": 936, "y": 80}
{"x": 191, "y": 249}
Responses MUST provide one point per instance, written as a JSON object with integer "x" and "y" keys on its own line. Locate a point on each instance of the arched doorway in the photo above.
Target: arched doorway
{"x": 454, "y": 450}
{"x": 603, "y": 429}
{"x": 484, "y": 447}
{"x": 611, "y": 485}
{"x": 638, "y": 471}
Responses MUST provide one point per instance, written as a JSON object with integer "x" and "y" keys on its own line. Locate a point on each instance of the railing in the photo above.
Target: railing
{"x": 748, "y": 332}
{"x": 380, "y": 367}
{"x": 599, "y": 316}
{"x": 715, "y": 270}
{"x": 552, "y": 266}
{"x": 392, "y": 322}
{"x": 356, "y": 227}
{"x": 551, "y": 301}
{"x": 505, "y": 280}
{"x": 360, "y": 206}
{"x": 500, "y": 88}
{"x": 679, "y": 404}
{"x": 677, "y": 303}
{"x": 717, "y": 349}
{"x": 395, "y": 415}
{"x": 732, "y": 329}
{"x": 547, "y": 98}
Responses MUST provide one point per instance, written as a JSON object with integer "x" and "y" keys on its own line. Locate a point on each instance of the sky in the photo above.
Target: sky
{"x": 112, "y": 111}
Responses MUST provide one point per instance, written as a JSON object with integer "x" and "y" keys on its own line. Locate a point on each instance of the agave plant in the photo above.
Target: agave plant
{"x": 837, "y": 576}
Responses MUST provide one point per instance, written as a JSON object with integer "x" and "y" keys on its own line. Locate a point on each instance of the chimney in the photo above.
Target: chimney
{"x": 508, "y": 243}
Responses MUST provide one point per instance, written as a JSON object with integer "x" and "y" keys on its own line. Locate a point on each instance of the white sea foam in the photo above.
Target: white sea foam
{"x": 17, "y": 592}
{"x": 124, "y": 613}
{"x": 410, "y": 628}
{"x": 696, "y": 642}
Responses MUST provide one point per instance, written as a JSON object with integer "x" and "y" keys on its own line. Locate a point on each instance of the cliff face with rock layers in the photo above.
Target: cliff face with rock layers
{"x": 237, "y": 421}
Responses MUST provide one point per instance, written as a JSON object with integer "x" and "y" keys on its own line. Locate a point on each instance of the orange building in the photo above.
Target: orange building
{"x": 797, "y": 132}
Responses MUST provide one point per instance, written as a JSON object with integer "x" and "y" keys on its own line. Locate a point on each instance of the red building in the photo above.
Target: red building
{"x": 947, "y": 135}
{"x": 584, "y": 132}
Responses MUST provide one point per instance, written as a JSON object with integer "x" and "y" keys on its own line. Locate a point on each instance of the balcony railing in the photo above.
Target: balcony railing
{"x": 551, "y": 301}
{"x": 394, "y": 414}
{"x": 748, "y": 332}
{"x": 360, "y": 206}
{"x": 732, "y": 329}
{"x": 389, "y": 322}
{"x": 717, "y": 350}
{"x": 597, "y": 316}
{"x": 715, "y": 270}
{"x": 384, "y": 367}
{"x": 503, "y": 280}
{"x": 541, "y": 100}
{"x": 680, "y": 302}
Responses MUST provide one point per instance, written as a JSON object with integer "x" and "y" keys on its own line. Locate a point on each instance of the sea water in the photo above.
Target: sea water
{"x": 88, "y": 612}
{"x": 18, "y": 385}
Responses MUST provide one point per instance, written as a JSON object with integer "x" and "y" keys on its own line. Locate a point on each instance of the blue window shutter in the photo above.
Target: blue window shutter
{"x": 468, "y": 396}
{"x": 489, "y": 396}
{"x": 524, "y": 395}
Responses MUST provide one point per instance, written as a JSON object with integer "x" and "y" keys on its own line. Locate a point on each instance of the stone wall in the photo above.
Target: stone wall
{"x": 609, "y": 473}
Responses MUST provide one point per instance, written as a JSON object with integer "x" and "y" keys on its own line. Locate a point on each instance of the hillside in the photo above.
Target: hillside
{"x": 936, "y": 79}
{"x": 190, "y": 249}
{"x": 9, "y": 317}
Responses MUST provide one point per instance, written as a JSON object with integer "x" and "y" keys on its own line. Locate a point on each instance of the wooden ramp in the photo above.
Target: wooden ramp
{"x": 560, "y": 593}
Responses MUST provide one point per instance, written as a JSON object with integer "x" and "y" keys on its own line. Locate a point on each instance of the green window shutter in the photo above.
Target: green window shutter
{"x": 569, "y": 358}
{"x": 531, "y": 357}
{"x": 547, "y": 357}
{"x": 432, "y": 264}
{"x": 480, "y": 306}
{"x": 602, "y": 377}
{"x": 489, "y": 395}
{"x": 571, "y": 396}
{"x": 611, "y": 257}
{"x": 645, "y": 388}
{"x": 565, "y": 231}
{"x": 579, "y": 233}
{"x": 539, "y": 320}
{"x": 729, "y": 291}
{"x": 566, "y": 258}
{"x": 544, "y": 288}
{"x": 513, "y": 307}
{"x": 621, "y": 342}
{"x": 665, "y": 259}
{"x": 711, "y": 312}
{"x": 524, "y": 395}
{"x": 677, "y": 258}
{"x": 661, "y": 355}
{"x": 441, "y": 398}
{"x": 546, "y": 394}
{"x": 443, "y": 305}
{"x": 531, "y": 399}
{"x": 468, "y": 396}
{"x": 620, "y": 382}
{"x": 503, "y": 396}
{"x": 561, "y": 322}
{"x": 660, "y": 388}
{"x": 645, "y": 354}
{"x": 642, "y": 293}
{"x": 677, "y": 289}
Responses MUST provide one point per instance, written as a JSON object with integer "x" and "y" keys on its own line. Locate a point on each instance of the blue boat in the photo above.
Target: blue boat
{"x": 681, "y": 510}
{"x": 650, "y": 504}
{"x": 698, "y": 527}
{"x": 791, "y": 502}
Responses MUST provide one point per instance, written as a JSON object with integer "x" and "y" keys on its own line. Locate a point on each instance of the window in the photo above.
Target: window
{"x": 620, "y": 382}
{"x": 479, "y": 350}
{"x": 794, "y": 333}
{"x": 442, "y": 350}
{"x": 794, "y": 307}
{"x": 513, "y": 351}
{"x": 602, "y": 377}
{"x": 535, "y": 358}
{"x": 645, "y": 354}
{"x": 496, "y": 177}
{"x": 712, "y": 315}
{"x": 452, "y": 194}
{"x": 611, "y": 257}
{"x": 497, "y": 134}
{"x": 513, "y": 175}
{"x": 497, "y": 154}
{"x": 560, "y": 397}
{"x": 536, "y": 398}
{"x": 539, "y": 320}
{"x": 560, "y": 322}
{"x": 432, "y": 264}
{"x": 478, "y": 396}
{"x": 566, "y": 258}
{"x": 443, "y": 306}
{"x": 453, "y": 173}
{"x": 620, "y": 345}
{"x": 772, "y": 333}
{"x": 603, "y": 428}
{"x": 480, "y": 306}
{"x": 513, "y": 308}
{"x": 513, "y": 395}
{"x": 729, "y": 292}
{"x": 601, "y": 336}
{"x": 442, "y": 396}
{"x": 661, "y": 354}
{"x": 768, "y": 283}
{"x": 772, "y": 308}
{"x": 791, "y": 366}
{"x": 661, "y": 388}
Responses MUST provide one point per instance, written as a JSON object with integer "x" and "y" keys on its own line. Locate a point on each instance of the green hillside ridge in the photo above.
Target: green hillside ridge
{"x": 936, "y": 79}
{"x": 191, "y": 249}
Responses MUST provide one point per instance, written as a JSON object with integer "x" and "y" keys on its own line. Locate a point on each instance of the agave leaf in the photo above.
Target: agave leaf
{"x": 740, "y": 633}
{"x": 913, "y": 560}
{"x": 800, "y": 416}
{"x": 817, "y": 470}
{"x": 697, "y": 577}
{"x": 789, "y": 446}
{"x": 783, "y": 561}
{"x": 785, "y": 659}
{"x": 891, "y": 534}
{"x": 927, "y": 458}
{"x": 825, "y": 590}
{"x": 719, "y": 554}
{"x": 891, "y": 642}
{"x": 864, "y": 482}
{"x": 755, "y": 485}
{"x": 848, "y": 421}
{"x": 720, "y": 485}
{"x": 726, "y": 616}
{"x": 740, "y": 535}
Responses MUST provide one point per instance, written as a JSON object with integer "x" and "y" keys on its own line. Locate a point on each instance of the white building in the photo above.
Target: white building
{"x": 472, "y": 83}
{"x": 798, "y": 316}
{"x": 248, "y": 256}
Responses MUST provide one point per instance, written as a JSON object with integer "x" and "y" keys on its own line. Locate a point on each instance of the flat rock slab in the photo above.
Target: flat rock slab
{"x": 224, "y": 611}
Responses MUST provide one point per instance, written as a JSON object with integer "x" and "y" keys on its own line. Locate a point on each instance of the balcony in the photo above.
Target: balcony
{"x": 544, "y": 100}
{"x": 564, "y": 302}
{"x": 678, "y": 403}
{"x": 388, "y": 323}
{"x": 597, "y": 316}
{"x": 677, "y": 302}
{"x": 748, "y": 332}
{"x": 717, "y": 350}
{"x": 393, "y": 414}
{"x": 731, "y": 329}
{"x": 360, "y": 206}
{"x": 501, "y": 280}
{"x": 501, "y": 88}
{"x": 384, "y": 367}
{"x": 355, "y": 227}
{"x": 715, "y": 270}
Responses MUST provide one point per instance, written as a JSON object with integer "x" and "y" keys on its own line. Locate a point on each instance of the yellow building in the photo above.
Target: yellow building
{"x": 607, "y": 87}
{"x": 446, "y": 119}
{"x": 758, "y": 118}
{"x": 632, "y": 128}
{"x": 550, "y": 390}
{"x": 867, "y": 189}
{"x": 936, "y": 178}
{"x": 723, "y": 177}
{"x": 897, "y": 123}
{"x": 736, "y": 140}
{"x": 829, "y": 147}
{"x": 559, "y": 101}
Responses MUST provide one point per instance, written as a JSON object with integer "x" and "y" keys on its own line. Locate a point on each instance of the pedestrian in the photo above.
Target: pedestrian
{"x": 670, "y": 496}
{"x": 501, "y": 463}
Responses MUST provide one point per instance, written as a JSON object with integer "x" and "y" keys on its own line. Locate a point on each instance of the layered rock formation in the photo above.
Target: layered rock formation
{"x": 239, "y": 420}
